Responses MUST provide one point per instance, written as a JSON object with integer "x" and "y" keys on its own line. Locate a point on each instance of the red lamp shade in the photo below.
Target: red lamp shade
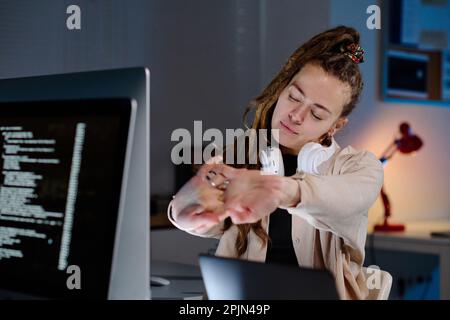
{"x": 408, "y": 142}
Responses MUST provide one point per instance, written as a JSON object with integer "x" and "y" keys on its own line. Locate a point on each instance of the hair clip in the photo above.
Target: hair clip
{"x": 355, "y": 52}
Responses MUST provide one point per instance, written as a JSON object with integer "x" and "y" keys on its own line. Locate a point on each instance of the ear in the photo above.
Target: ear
{"x": 340, "y": 124}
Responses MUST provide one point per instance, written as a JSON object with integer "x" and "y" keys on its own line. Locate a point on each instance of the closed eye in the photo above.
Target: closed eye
{"x": 315, "y": 116}
{"x": 293, "y": 99}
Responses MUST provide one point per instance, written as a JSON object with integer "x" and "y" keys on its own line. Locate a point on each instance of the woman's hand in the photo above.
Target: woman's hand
{"x": 251, "y": 195}
{"x": 248, "y": 197}
{"x": 198, "y": 206}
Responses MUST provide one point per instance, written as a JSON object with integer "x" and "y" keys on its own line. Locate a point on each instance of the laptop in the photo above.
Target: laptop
{"x": 235, "y": 279}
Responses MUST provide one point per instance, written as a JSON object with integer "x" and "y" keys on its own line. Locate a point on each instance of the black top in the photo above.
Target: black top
{"x": 280, "y": 248}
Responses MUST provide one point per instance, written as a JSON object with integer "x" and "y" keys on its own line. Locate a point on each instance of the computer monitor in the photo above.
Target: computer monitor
{"x": 131, "y": 271}
{"x": 64, "y": 167}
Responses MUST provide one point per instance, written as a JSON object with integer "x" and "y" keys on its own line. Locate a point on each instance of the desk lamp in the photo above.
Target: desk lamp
{"x": 407, "y": 143}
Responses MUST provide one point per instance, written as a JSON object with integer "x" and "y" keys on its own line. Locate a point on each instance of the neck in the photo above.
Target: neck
{"x": 286, "y": 150}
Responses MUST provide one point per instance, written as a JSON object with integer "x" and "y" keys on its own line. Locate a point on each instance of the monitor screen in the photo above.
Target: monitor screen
{"x": 408, "y": 74}
{"x": 62, "y": 166}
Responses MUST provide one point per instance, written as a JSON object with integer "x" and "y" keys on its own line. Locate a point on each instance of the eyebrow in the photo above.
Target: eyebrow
{"x": 297, "y": 86}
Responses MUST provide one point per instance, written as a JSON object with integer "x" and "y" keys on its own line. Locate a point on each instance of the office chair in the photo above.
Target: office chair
{"x": 385, "y": 288}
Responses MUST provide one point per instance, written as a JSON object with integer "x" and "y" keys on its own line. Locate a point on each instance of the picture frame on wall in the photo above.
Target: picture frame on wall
{"x": 415, "y": 60}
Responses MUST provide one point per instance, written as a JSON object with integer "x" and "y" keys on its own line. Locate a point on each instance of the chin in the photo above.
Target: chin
{"x": 287, "y": 140}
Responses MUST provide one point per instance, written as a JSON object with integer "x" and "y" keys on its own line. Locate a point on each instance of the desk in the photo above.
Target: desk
{"x": 185, "y": 281}
{"x": 417, "y": 238}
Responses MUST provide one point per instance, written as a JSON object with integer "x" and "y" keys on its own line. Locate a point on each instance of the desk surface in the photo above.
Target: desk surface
{"x": 175, "y": 270}
{"x": 417, "y": 231}
{"x": 185, "y": 281}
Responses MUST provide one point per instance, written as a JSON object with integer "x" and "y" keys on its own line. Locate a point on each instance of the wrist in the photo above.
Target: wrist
{"x": 290, "y": 193}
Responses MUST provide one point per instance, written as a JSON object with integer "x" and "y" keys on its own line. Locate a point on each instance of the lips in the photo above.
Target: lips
{"x": 287, "y": 128}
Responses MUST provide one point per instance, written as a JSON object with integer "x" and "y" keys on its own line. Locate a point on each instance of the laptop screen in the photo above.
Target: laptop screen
{"x": 62, "y": 167}
{"x": 237, "y": 279}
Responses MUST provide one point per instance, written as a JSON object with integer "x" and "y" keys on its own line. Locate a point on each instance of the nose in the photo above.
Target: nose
{"x": 297, "y": 115}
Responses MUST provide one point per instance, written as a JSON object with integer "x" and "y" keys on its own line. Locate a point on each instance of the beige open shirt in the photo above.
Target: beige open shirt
{"x": 329, "y": 225}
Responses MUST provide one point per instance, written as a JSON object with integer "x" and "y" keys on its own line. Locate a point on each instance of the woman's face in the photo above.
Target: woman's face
{"x": 309, "y": 107}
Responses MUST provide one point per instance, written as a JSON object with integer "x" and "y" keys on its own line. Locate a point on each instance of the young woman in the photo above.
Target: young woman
{"x": 312, "y": 211}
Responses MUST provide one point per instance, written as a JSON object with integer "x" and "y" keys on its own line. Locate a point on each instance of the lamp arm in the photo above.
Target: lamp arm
{"x": 389, "y": 152}
{"x": 386, "y": 203}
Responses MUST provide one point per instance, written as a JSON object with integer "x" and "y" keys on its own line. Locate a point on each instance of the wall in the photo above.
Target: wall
{"x": 417, "y": 185}
{"x": 35, "y": 39}
{"x": 202, "y": 56}
{"x": 204, "y": 63}
{"x": 285, "y": 25}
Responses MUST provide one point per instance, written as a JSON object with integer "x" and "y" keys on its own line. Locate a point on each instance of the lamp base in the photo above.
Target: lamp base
{"x": 385, "y": 227}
